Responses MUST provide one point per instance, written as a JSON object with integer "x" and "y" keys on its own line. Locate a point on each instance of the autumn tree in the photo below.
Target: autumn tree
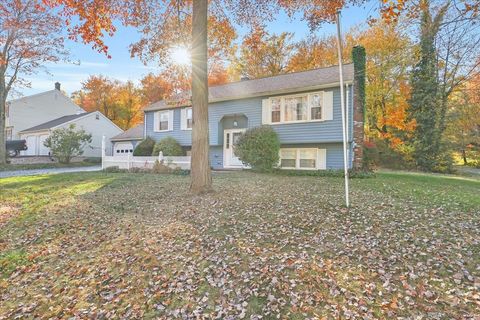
{"x": 389, "y": 60}
{"x": 121, "y": 102}
{"x": 448, "y": 42}
{"x": 318, "y": 52}
{"x": 98, "y": 93}
{"x": 30, "y": 37}
{"x": 129, "y": 103}
{"x": 463, "y": 125}
{"x": 154, "y": 87}
{"x": 262, "y": 54}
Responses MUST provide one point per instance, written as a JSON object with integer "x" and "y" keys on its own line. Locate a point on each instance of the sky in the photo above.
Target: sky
{"x": 122, "y": 67}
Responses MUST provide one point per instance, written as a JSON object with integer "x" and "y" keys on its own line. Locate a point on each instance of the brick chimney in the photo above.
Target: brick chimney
{"x": 359, "y": 63}
{"x": 57, "y": 86}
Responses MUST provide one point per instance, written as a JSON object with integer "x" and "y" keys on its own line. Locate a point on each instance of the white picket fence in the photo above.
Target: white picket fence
{"x": 129, "y": 161}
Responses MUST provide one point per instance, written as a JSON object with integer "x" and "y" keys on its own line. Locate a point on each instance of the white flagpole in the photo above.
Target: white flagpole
{"x": 342, "y": 101}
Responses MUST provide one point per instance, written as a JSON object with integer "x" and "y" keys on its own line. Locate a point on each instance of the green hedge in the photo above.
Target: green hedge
{"x": 169, "y": 147}
{"x": 144, "y": 148}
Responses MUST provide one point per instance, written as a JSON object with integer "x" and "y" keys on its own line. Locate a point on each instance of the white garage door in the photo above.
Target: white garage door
{"x": 122, "y": 148}
{"x": 32, "y": 145}
{"x": 42, "y": 150}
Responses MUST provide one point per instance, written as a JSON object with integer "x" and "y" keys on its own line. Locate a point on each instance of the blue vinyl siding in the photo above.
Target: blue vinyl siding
{"x": 184, "y": 137}
{"x": 216, "y": 157}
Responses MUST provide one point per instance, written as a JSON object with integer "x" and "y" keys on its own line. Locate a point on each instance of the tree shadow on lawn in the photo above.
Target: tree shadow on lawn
{"x": 144, "y": 247}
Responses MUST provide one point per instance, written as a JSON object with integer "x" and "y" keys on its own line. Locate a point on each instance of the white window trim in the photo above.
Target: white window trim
{"x": 156, "y": 119}
{"x": 309, "y": 108}
{"x": 184, "y": 119}
{"x": 318, "y": 165}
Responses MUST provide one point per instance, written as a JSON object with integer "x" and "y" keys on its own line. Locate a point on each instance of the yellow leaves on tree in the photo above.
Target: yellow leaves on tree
{"x": 120, "y": 102}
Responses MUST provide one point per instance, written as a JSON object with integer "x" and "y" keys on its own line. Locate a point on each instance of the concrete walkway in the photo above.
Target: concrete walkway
{"x": 34, "y": 172}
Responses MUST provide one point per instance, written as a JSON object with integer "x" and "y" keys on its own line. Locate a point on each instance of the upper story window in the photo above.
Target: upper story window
{"x": 295, "y": 109}
{"x": 163, "y": 120}
{"x": 316, "y": 106}
{"x": 275, "y": 105}
{"x": 7, "y": 109}
{"x": 187, "y": 118}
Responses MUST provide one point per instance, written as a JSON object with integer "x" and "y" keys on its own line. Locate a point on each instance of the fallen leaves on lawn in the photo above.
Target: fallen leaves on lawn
{"x": 261, "y": 247}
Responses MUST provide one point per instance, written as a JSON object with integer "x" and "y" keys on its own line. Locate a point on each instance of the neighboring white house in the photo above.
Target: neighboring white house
{"x": 36, "y": 109}
{"x": 94, "y": 123}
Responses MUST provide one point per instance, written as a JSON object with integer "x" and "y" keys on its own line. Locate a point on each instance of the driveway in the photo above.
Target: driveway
{"x": 33, "y": 172}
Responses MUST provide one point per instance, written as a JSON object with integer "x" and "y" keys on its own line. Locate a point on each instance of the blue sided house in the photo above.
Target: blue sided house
{"x": 303, "y": 108}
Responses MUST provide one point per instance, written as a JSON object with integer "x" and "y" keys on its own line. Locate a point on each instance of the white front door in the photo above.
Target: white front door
{"x": 230, "y": 137}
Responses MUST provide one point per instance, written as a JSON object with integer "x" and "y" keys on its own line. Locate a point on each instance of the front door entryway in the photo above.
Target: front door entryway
{"x": 230, "y": 137}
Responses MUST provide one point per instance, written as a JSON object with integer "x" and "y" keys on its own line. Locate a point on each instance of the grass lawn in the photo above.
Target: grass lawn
{"x": 140, "y": 246}
{"x": 34, "y": 166}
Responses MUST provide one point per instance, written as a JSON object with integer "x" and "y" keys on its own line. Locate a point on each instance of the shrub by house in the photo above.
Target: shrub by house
{"x": 259, "y": 148}
{"x": 67, "y": 143}
{"x": 169, "y": 147}
{"x": 144, "y": 148}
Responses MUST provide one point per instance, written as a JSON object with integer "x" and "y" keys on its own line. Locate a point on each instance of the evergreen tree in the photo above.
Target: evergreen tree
{"x": 424, "y": 101}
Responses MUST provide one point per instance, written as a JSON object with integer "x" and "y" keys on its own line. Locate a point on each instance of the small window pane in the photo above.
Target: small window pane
{"x": 163, "y": 121}
{"x": 308, "y": 158}
{"x": 316, "y": 106}
{"x": 288, "y": 158}
{"x": 163, "y": 125}
{"x": 295, "y": 109}
{"x": 276, "y": 104}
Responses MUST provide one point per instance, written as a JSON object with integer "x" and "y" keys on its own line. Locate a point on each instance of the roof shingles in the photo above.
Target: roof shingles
{"x": 289, "y": 82}
{"x": 134, "y": 133}
{"x": 55, "y": 122}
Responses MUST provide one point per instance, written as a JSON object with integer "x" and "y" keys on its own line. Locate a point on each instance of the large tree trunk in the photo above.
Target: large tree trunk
{"x": 201, "y": 177}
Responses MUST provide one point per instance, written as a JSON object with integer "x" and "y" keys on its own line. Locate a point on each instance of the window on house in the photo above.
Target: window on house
{"x": 7, "y": 110}
{"x": 288, "y": 158}
{"x": 302, "y": 158}
{"x": 295, "y": 109}
{"x": 308, "y": 158}
{"x": 276, "y": 104}
{"x": 189, "y": 120}
{"x": 163, "y": 120}
{"x": 316, "y": 106}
